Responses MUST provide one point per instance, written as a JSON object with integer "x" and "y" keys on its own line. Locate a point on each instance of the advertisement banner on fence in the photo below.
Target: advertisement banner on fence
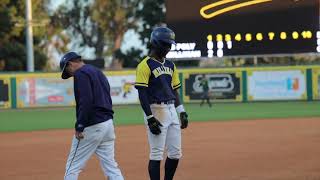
{"x": 122, "y": 89}
{"x": 277, "y": 85}
{"x": 44, "y": 91}
{"x": 5, "y": 99}
{"x": 316, "y": 84}
{"x": 222, "y": 86}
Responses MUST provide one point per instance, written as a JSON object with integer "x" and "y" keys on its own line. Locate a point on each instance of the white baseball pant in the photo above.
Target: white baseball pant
{"x": 170, "y": 136}
{"x": 98, "y": 139}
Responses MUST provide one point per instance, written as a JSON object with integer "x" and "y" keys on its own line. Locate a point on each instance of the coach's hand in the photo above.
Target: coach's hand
{"x": 154, "y": 125}
{"x": 184, "y": 120}
{"x": 79, "y": 135}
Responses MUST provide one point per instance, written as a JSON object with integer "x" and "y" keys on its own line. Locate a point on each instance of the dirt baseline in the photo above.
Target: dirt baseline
{"x": 278, "y": 149}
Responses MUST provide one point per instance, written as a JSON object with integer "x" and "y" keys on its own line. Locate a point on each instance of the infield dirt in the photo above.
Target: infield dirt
{"x": 270, "y": 149}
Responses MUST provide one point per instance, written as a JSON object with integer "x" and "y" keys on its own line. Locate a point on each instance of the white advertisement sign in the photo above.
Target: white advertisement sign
{"x": 276, "y": 85}
{"x": 122, "y": 89}
{"x": 42, "y": 92}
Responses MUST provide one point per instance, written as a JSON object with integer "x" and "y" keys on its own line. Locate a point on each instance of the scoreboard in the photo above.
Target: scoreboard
{"x": 216, "y": 28}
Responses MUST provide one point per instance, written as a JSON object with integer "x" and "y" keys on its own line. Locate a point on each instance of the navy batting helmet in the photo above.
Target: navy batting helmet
{"x": 64, "y": 61}
{"x": 161, "y": 37}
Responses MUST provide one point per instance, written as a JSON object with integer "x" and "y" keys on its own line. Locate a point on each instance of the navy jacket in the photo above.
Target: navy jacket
{"x": 92, "y": 94}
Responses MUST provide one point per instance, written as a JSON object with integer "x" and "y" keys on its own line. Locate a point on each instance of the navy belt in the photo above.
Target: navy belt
{"x": 164, "y": 102}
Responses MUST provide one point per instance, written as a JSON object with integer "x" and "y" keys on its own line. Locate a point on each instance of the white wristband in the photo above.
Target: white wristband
{"x": 180, "y": 109}
{"x": 150, "y": 116}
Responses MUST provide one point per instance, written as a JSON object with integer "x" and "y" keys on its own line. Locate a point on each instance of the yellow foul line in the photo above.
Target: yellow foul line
{"x": 227, "y": 9}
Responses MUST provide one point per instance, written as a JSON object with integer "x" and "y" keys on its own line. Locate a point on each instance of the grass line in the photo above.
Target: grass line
{"x": 60, "y": 118}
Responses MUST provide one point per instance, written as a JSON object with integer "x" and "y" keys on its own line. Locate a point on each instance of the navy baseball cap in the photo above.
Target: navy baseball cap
{"x": 64, "y": 61}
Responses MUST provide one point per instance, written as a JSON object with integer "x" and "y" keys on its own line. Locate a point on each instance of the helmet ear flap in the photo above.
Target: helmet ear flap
{"x": 153, "y": 43}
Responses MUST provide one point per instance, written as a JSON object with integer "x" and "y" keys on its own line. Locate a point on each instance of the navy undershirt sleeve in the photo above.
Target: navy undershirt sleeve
{"x": 143, "y": 97}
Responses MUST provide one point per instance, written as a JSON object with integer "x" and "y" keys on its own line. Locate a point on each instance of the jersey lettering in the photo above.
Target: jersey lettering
{"x": 159, "y": 79}
{"x": 162, "y": 70}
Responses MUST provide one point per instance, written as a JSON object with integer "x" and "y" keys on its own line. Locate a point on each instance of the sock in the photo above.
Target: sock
{"x": 154, "y": 169}
{"x": 170, "y": 168}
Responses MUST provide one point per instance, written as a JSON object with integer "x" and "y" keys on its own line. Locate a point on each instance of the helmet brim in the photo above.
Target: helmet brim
{"x": 171, "y": 42}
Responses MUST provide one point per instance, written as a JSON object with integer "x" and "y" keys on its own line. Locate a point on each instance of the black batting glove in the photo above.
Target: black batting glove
{"x": 184, "y": 120}
{"x": 154, "y": 125}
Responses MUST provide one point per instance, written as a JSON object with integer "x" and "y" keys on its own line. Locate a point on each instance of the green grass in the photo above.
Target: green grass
{"x": 40, "y": 119}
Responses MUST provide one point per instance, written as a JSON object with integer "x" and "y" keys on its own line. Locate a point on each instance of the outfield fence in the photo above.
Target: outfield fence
{"x": 25, "y": 90}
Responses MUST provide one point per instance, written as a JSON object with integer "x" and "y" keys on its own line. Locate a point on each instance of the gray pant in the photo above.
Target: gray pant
{"x": 98, "y": 139}
{"x": 170, "y": 136}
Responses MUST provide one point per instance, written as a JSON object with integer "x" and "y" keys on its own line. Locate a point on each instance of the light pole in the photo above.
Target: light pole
{"x": 29, "y": 37}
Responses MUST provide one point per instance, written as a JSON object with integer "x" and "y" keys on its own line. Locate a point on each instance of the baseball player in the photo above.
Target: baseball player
{"x": 157, "y": 82}
{"x": 205, "y": 94}
{"x": 94, "y": 130}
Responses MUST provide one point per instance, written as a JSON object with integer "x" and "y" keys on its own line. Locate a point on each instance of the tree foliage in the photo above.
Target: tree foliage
{"x": 152, "y": 14}
{"x": 130, "y": 58}
{"x": 12, "y": 34}
{"x": 99, "y": 24}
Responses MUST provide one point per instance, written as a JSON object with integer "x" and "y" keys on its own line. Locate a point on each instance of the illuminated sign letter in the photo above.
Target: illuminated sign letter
{"x": 271, "y": 35}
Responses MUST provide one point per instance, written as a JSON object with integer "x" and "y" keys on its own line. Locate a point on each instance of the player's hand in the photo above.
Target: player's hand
{"x": 79, "y": 135}
{"x": 154, "y": 125}
{"x": 184, "y": 120}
